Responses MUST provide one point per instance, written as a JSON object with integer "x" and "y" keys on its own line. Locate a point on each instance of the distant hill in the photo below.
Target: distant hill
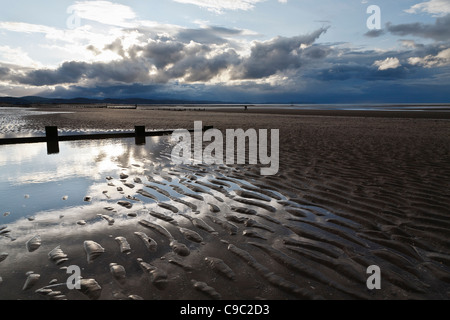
{"x": 131, "y": 101}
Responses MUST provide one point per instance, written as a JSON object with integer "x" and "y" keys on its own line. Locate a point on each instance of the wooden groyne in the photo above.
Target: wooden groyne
{"x": 52, "y": 138}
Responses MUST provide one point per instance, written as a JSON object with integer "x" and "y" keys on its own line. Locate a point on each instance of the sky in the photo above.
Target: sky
{"x": 260, "y": 51}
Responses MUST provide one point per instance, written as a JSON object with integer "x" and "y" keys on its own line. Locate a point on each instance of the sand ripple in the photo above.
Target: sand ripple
{"x": 224, "y": 232}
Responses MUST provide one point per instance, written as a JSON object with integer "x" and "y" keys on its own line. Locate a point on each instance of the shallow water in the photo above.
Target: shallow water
{"x": 33, "y": 181}
{"x": 13, "y": 122}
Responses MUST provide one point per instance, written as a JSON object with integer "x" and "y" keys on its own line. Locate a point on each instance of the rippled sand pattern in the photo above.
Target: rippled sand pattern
{"x": 225, "y": 232}
{"x": 198, "y": 233}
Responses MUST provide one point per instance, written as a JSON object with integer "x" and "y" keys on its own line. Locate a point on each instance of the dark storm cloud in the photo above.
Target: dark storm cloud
{"x": 105, "y": 91}
{"x": 200, "y": 69}
{"x": 163, "y": 53}
{"x": 340, "y": 75}
{"x": 68, "y": 72}
{"x": 317, "y": 52}
{"x": 411, "y": 44}
{"x": 374, "y": 33}
{"x": 183, "y": 63}
{"x": 126, "y": 71}
{"x": 429, "y": 49}
{"x": 439, "y": 31}
{"x": 361, "y": 72}
{"x": 350, "y": 91}
{"x": 198, "y": 62}
{"x": 193, "y": 61}
{"x": 209, "y": 35}
{"x": 161, "y": 61}
{"x": 4, "y": 71}
{"x": 279, "y": 54}
{"x": 359, "y": 67}
{"x": 116, "y": 47}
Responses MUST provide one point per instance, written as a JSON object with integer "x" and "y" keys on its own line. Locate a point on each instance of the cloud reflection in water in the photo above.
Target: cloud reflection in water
{"x": 77, "y": 171}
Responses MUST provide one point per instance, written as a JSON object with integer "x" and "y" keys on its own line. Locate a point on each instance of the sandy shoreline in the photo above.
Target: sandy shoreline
{"x": 306, "y": 137}
{"x": 384, "y": 177}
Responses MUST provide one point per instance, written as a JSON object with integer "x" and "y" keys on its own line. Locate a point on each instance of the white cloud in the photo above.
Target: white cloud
{"x": 104, "y": 12}
{"x": 219, "y": 6}
{"x": 388, "y": 63}
{"x": 69, "y": 44}
{"x": 429, "y": 61}
{"x": 17, "y": 56}
{"x": 434, "y": 7}
{"x": 71, "y": 36}
{"x": 411, "y": 44}
{"x": 27, "y": 27}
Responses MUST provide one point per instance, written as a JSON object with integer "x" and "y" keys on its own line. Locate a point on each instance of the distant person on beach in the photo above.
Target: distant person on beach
{"x": 246, "y": 108}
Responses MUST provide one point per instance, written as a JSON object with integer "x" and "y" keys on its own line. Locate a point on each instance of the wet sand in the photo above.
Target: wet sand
{"x": 354, "y": 189}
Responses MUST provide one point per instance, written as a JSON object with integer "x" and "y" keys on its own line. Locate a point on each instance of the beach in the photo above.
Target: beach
{"x": 338, "y": 141}
{"x": 354, "y": 189}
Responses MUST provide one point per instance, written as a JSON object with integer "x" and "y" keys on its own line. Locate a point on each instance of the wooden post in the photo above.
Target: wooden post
{"x": 51, "y": 134}
{"x": 139, "y": 135}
